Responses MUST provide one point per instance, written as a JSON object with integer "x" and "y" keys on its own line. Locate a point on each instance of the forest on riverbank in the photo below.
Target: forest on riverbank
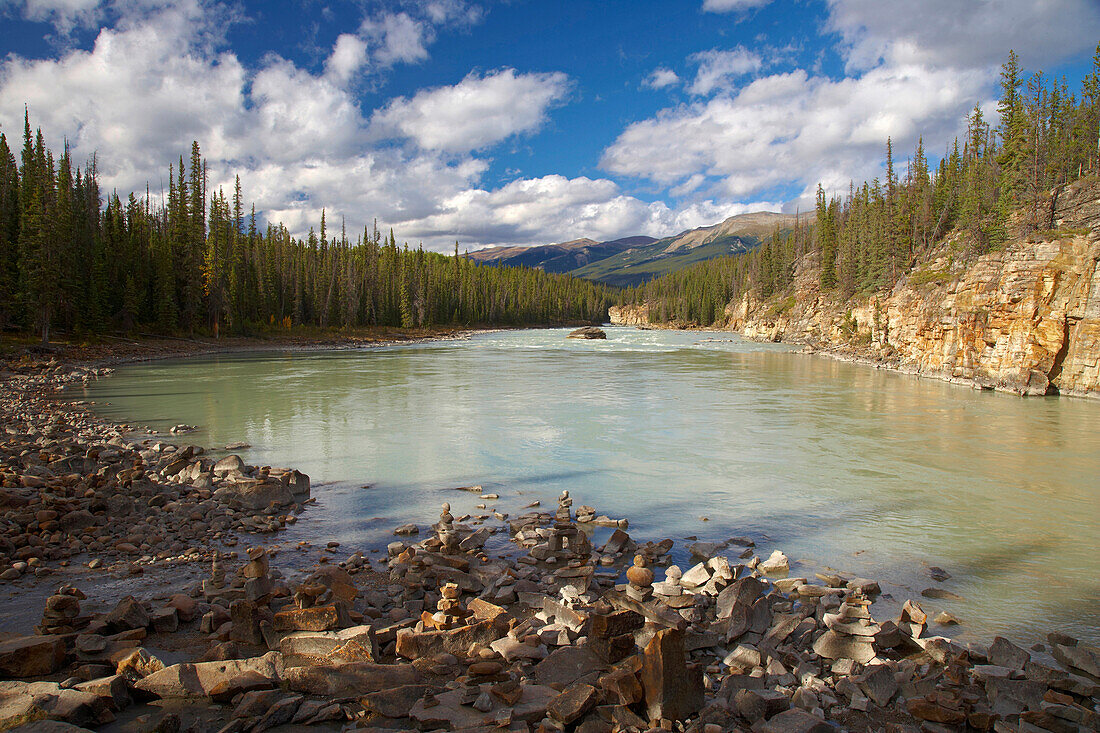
{"x": 998, "y": 178}
{"x": 195, "y": 261}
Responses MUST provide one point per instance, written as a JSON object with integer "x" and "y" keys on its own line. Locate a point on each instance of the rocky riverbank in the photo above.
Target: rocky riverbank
{"x": 480, "y": 623}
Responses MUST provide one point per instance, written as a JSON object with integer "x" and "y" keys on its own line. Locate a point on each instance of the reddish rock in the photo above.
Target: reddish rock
{"x": 319, "y": 618}
{"x": 570, "y": 705}
{"x": 672, "y": 689}
{"x": 31, "y": 656}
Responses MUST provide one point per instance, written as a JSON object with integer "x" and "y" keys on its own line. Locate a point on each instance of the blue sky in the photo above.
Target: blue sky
{"x": 519, "y": 122}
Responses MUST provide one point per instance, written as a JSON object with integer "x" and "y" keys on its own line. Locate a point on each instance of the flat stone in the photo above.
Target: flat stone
{"x": 759, "y": 704}
{"x": 198, "y": 679}
{"x": 741, "y": 594}
{"x": 350, "y": 680}
{"x": 1082, "y": 658}
{"x": 250, "y": 681}
{"x": 32, "y": 656}
{"x": 1004, "y": 653}
{"x": 416, "y": 644}
{"x": 879, "y": 684}
{"x": 574, "y": 702}
{"x": 566, "y": 665}
{"x": 318, "y": 618}
{"x": 395, "y": 702}
{"x": 320, "y": 644}
{"x": 796, "y": 721}
{"x": 832, "y": 645}
{"x": 696, "y": 576}
{"x": 450, "y": 714}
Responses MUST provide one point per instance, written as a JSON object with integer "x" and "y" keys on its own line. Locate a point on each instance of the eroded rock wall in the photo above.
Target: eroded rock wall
{"x": 1024, "y": 320}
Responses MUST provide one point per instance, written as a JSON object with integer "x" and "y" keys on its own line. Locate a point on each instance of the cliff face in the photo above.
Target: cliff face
{"x": 628, "y": 315}
{"x": 1023, "y": 320}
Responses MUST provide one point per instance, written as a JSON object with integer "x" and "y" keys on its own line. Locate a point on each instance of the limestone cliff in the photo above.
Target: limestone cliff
{"x": 1025, "y": 319}
{"x": 628, "y": 315}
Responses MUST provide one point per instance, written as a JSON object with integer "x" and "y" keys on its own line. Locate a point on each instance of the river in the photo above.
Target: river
{"x": 686, "y": 434}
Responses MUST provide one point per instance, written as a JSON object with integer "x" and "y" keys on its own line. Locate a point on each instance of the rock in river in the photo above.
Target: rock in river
{"x": 587, "y": 332}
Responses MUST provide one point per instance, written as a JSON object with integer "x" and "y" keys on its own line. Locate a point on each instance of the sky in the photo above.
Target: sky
{"x": 515, "y": 122}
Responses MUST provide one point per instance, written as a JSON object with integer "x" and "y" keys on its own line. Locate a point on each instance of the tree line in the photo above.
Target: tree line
{"x": 195, "y": 261}
{"x": 994, "y": 180}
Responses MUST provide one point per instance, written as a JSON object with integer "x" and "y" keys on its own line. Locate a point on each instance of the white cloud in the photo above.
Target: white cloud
{"x": 477, "y": 112}
{"x": 963, "y": 34}
{"x": 916, "y": 69}
{"x": 65, "y": 15}
{"x": 398, "y": 37}
{"x": 718, "y": 69}
{"x": 555, "y": 208}
{"x": 661, "y": 78}
{"x": 348, "y": 56}
{"x": 729, "y": 6}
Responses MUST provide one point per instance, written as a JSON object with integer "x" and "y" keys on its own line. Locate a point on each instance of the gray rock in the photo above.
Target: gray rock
{"x": 1004, "y": 653}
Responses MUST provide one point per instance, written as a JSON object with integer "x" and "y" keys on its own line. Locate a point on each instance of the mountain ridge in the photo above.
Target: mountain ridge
{"x": 635, "y": 259}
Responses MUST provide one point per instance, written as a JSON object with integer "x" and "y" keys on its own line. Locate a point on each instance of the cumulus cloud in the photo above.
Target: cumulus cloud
{"x": 719, "y": 69}
{"x": 661, "y": 78}
{"x": 65, "y": 15}
{"x": 348, "y": 56}
{"x": 915, "y": 69}
{"x": 975, "y": 33}
{"x": 729, "y": 6}
{"x": 477, "y": 112}
{"x": 398, "y": 37}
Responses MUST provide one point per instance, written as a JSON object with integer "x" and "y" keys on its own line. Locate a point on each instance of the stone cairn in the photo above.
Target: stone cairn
{"x": 449, "y": 611}
{"x": 216, "y": 582}
{"x": 565, "y": 542}
{"x": 62, "y": 610}
{"x": 257, "y": 583}
{"x": 448, "y": 537}
{"x": 640, "y": 579}
{"x": 851, "y": 632}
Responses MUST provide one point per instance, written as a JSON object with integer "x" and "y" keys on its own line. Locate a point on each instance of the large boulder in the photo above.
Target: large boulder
{"x": 32, "y": 656}
{"x": 322, "y": 643}
{"x": 416, "y": 644}
{"x": 199, "y": 679}
{"x": 254, "y": 495}
{"x": 29, "y": 703}
{"x": 587, "y": 332}
{"x": 350, "y": 680}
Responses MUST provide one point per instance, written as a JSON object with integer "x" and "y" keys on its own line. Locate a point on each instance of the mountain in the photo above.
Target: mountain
{"x": 634, "y": 260}
{"x": 561, "y": 257}
{"x": 637, "y": 265}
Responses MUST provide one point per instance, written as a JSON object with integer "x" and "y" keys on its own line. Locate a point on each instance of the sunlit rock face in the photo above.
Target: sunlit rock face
{"x": 1025, "y": 319}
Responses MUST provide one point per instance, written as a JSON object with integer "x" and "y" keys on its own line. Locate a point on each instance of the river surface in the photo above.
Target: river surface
{"x": 839, "y": 465}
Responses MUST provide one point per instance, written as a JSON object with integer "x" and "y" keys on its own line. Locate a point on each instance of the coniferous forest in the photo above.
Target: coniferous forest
{"x": 993, "y": 179}
{"x": 198, "y": 261}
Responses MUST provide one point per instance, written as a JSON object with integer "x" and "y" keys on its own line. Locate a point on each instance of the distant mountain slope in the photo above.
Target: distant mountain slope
{"x": 634, "y": 260}
{"x": 561, "y": 257}
{"x": 756, "y": 225}
{"x": 640, "y": 264}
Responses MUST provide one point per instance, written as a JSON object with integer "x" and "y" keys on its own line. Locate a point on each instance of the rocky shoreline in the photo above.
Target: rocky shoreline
{"x": 545, "y": 631}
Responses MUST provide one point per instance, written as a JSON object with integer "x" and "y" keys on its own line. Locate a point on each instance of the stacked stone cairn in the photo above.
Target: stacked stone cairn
{"x": 449, "y": 611}
{"x": 62, "y": 611}
{"x": 448, "y": 537}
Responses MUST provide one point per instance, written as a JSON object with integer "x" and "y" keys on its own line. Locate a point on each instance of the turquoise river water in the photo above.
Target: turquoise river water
{"x": 839, "y": 465}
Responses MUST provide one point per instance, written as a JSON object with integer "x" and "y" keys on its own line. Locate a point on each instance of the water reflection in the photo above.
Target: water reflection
{"x": 868, "y": 471}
